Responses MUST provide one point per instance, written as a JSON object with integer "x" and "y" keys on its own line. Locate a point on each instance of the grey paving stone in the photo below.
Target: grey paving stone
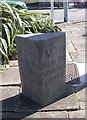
{"x": 11, "y": 100}
{"x": 36, "y": 115}
{"x": 77, "y": 114}
{"x": 70, "y": 46}
{"x": 79, "y": 45}
{"x": 64, "y": 103}
{"x": 81, "y": 96}
{"x": 8, "y": 98}
{"x": 79, "y": 56}
{"x": 13, "y": 63}
{"x": 49, "y": 115}
{"x": 74, "y": 34}
{"x": 10, "y": 76}
{"x": 8, "y": 92}
{"x": 82, "y": 105}
{"x": 68, "y": 58}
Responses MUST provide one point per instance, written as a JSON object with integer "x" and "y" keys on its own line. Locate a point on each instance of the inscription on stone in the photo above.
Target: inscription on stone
{"x": 42, "y": 65}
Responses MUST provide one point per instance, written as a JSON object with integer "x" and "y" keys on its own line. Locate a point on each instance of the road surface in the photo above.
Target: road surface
{"x": 74, "y": 14}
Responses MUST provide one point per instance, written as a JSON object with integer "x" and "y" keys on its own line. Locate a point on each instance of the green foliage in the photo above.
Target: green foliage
{"x": 15, "y": 22}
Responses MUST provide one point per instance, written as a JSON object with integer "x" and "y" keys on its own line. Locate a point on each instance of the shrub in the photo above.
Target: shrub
{"x": 15, "y": 22}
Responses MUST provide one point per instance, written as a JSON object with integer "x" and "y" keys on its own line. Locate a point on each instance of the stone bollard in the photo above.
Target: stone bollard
{"x": 42, "y": 60}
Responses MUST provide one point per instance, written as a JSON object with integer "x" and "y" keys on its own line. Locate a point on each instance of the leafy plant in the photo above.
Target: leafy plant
{"x": 15, "y": 22}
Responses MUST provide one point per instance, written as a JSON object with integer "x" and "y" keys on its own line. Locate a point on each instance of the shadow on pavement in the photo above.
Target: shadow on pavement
{"x": 19, "y": 106}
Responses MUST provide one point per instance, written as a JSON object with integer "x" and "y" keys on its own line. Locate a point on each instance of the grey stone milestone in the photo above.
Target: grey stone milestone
{"x": 42, "y": 59}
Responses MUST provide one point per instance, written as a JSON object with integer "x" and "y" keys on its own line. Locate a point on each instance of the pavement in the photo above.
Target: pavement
{"x": 72, "y": 104}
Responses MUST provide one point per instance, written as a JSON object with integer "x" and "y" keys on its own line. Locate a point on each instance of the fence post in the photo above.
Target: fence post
{"x": 52, "y": 9}
{"x": 65, "y": 4}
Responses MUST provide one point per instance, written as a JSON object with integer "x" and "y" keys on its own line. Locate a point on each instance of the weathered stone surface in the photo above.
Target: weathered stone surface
{"x": 69, "y": 102}
{"x": 10, "y": 76}
{"x": 81, "y": 96}
{"x": 13, "y": 63}
{"x": 49, "y": 115}
{"x": 8, "y": 98}
{"x": 8, "y": 92}
{"x": 12, "y": 100}
{"x": 77, "y": 114}
{"x": 40, "y": 115}
{"x": 74, "y": 34}
{"x": 42, "y": 60}
{"x": 79, "y": 56}
{"x": 70, "y": 46}
{"x": 68, "y": 58}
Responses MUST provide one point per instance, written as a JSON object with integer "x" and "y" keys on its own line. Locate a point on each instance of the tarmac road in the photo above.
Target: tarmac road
{"x": 73, "y": 14}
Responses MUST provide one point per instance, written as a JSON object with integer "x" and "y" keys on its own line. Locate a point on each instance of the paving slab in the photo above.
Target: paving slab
{"x": 68, "y": 58}
{"x": 82, "y": 105}
{"x": 6, "y": 98}
{"x": 10, "y": 76}
{"x": 79, "y": 45}
{"x": 70, "y": 46}
{"x": 64, "y": 103}
{"x": 81, "y": 96}
{"x": 54, "y": 114}
{"x": 75, "y": 34}
{"x": 37, "y": 115}
{"x": 12, "y": 100}
{"x": 13, "y": 63}
{"x": 79, "y": 56}
{"x": 7, "y": 92}
{"x": 77, "y": 115}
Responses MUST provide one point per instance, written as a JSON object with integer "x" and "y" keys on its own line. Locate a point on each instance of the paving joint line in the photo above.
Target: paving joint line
{"x": 11, "y": 85}
{"x": 73, "y": 45}
{"x": 60, "y": 110}
{"x": 71, "y": 57}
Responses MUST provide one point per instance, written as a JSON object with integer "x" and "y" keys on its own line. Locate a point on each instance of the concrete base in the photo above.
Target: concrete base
{"x": 42, "y": 59}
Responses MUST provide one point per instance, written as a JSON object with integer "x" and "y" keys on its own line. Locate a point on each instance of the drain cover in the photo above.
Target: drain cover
{"x": 72, "y": 74}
